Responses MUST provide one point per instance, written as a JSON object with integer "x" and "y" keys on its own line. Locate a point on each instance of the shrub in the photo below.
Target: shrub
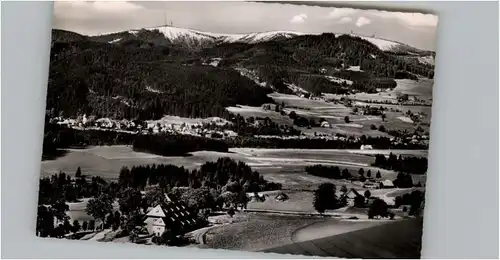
{"x": 368, "y": 194}
{"x": 359, "y": 202}
{"x": 378, "y": 208}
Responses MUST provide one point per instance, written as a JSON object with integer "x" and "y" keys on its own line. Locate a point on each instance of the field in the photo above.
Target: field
{"x": 334, "y": 113}
{"x": 286, "y": 166}
{"x": 268, "y": 232}
{"x": 247, "y": 111}
{"x": 257, "y": 232}
{"x": 421, "y": 88}
{"x": 399, "y": 239}
{"x": 77, "y": 210}
{"x": 302, "y": 200}
{"x": 106, "y": 161}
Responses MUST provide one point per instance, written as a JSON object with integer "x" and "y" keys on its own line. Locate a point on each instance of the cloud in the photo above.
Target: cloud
{"x": 345, "y": 20}
{"x": 87, "y": 9}
{"x": 340, "y": 12}
{"x": 412, "y": 19}
{"x": 300, "y": 18}
{"x": 362, "y": 21}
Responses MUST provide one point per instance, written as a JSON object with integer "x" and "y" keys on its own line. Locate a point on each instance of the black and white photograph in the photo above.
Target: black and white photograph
{"x": 270, "y": 127}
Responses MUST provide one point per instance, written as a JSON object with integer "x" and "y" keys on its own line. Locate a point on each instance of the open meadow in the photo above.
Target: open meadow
{"x": 106, "y": 161}
{"x": 398, "y": 239}
{"x": 335, "y": 113}
{"x": 257, "y": 232}
{"x": 285, "y": 166}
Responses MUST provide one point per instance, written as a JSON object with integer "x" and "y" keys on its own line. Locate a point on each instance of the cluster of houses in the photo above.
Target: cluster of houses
{"x": 134, "y": 126}
{"x": 352, "y": 194}
{"x": 372, "y": 183}
{"x": 197, "y": 129}
{"x": 411, "y": 139}
{"x": 93, "y": 122}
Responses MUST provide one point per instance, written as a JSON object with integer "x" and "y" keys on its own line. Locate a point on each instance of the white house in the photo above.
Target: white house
{"x": 156, "y": 129}
{"x": 366, "y": 147}
{"x": 386, "y": 184}
{"x": 173, "y": 214}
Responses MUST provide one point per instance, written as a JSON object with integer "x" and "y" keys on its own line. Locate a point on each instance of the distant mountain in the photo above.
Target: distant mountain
{"x": 66, "y": 36}
{"x": 195, "y": 38}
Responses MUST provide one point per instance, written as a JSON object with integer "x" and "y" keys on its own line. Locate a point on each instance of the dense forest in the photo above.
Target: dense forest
{"x": 408, "y": 164}
{"x": 222, "y": 175}
{"x": 62, "y": 187}
{"x": 288, "y": 60}
{"x": 145, "y": 76}
{"x": 211, "y": 174}
{"x": 119, "y": 81}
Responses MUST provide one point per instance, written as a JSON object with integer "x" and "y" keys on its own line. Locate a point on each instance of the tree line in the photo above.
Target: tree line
{"x": 334, "y": 172}
{"x": 317, "y": 143}
{"x": 407, "y": 164}
{"x": 259, "y": 126}
{"x": 210, "y": 174}
{"x": 213, "y": 175}
{"x": 414, "y": 200}
{"x": 172, "y": 145}
{"x": 325, "y": 198}
{"x": 57, "y": 137}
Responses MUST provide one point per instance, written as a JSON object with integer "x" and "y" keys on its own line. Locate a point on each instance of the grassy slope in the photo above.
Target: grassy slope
{"x": 402, "y": 239}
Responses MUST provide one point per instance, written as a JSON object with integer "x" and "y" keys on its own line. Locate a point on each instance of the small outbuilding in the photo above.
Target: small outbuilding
{"x": 386, "y": 184}
{"x": 366, "y": 147}
{"x": 281, "y": 197}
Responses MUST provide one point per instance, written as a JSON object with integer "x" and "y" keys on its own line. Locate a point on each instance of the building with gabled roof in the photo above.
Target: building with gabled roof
{"x": 386, "y": 184}
{"x": 170, "y": 215}
{"x": 350, "y": 194}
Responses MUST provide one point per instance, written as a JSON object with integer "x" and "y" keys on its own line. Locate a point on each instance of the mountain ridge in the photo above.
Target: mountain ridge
{"x": 196, "y": 38}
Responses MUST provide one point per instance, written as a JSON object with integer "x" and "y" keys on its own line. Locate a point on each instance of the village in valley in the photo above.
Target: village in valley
{"x": 283, "y": 142}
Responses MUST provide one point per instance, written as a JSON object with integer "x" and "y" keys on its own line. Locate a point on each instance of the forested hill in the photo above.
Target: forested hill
{"x": 143, "y": 75}
{"x": 291, "y": 58}
{"x": 141, "y": 81}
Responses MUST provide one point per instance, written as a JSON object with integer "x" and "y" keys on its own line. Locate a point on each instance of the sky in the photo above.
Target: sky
{"x": 96, "y": 17}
